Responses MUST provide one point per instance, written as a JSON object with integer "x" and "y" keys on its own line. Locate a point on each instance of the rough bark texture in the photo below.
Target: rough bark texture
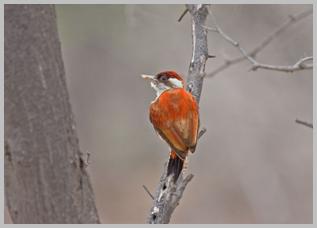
{"x": 168, "y": 194}
{"x": 167, "y": 197}
{"x": 45, "y": 176}
{"x": 196, "y": 72}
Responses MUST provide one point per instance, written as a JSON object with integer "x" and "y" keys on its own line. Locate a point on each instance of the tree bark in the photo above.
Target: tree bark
{"x": 45, "y": 176}
{"x": 196, "y": 71}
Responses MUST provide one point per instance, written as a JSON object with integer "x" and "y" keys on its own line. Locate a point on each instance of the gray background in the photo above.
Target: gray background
{"x": 254, "y": 164}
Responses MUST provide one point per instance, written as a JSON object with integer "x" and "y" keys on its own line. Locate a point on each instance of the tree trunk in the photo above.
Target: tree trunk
{"x": 45, "y": 176}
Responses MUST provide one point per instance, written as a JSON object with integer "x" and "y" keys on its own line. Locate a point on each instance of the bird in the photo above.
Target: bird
{"x": 174, "y": 114}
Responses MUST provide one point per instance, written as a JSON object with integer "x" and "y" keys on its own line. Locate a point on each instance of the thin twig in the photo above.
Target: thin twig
{"x": 211, "y": 56}
{"x": 201, "y": 133}
{"x": 88, "y": 158}
{"x": 299, "y": 65}
{"x": 267, "y": 40}
{"x": 310, "y": 125}
{"x": 292, "y": 20}
{"x": 148, "y": 192}
{"x": 183, "y": 14}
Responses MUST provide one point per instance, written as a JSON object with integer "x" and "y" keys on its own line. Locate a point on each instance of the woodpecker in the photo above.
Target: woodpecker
{"x": 175, "y": 117}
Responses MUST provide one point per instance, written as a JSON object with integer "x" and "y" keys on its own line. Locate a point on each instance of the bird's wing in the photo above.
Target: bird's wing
{"x": 174, "y": 140}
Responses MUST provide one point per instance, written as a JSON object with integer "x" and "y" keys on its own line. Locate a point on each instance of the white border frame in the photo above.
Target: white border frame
{"x": 153, "y": 2}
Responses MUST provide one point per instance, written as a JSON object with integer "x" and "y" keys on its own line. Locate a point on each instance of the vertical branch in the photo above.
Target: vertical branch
{"x": 169, "y": 194}
{"x": 196, "y": 70}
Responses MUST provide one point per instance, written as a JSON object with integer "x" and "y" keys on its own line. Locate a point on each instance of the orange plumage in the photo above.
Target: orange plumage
{"x": 174, "y": 116}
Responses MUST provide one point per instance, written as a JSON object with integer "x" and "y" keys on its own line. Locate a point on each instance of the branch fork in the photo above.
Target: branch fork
{"x": 250, "y": 56}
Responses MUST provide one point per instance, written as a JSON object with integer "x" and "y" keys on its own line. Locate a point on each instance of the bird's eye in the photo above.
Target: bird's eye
{"x": 163, "y": 78}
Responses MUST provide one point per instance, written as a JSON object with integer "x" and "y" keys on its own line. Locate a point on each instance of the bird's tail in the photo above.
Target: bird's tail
{"x": 175, "y": 165}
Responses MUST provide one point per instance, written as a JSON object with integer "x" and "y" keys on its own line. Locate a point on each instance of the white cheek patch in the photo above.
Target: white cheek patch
{"x": 177, "y": 83}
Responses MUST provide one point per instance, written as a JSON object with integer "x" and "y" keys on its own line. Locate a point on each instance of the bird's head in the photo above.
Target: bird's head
{"x": 164, "y": 81}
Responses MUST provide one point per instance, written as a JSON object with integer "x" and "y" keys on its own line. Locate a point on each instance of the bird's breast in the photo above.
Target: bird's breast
{"x": 171, "y": 105}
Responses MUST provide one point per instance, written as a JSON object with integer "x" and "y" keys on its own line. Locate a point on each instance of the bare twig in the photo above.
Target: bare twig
{"x": 299, "y": 65}
{"x": 291, "y": 21}
{"x": 211, "y": 56}
{"x": 310, "y": 125}
{"x": 88, "y": 158}
{"x": 168, "y": 193}
{"x": 183, "y": 14}
{"x": 148, "y": 191}
{"x": 201, "y": 132}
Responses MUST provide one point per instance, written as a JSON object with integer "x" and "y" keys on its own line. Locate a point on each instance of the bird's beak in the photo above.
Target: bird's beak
{"x": 146, "y": 76}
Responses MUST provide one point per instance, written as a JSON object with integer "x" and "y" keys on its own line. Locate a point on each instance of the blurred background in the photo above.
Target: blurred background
{"x": 253, "y": 165}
